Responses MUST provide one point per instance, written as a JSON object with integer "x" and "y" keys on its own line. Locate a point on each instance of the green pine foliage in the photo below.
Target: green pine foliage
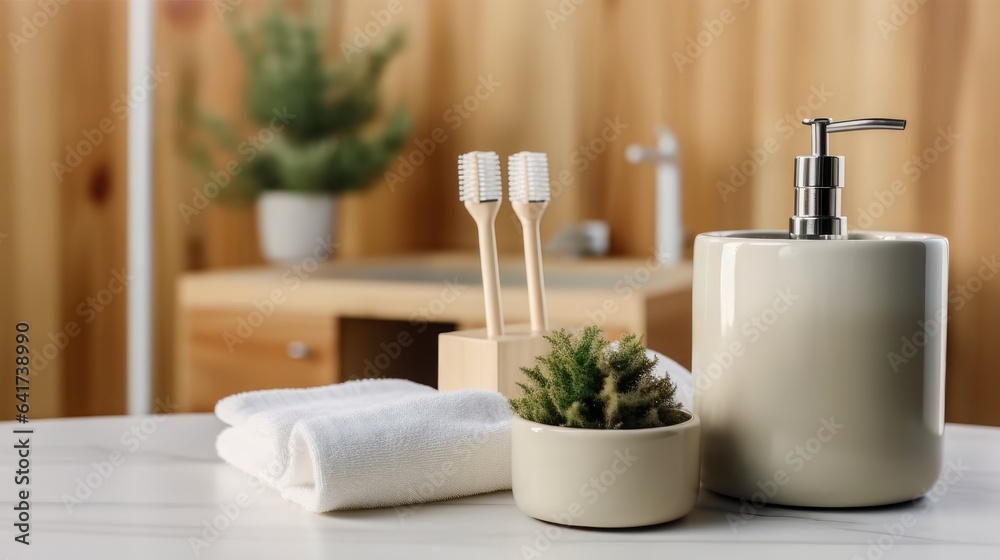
{"x": 586, "y": 382}
{"x": 333, "y": 141}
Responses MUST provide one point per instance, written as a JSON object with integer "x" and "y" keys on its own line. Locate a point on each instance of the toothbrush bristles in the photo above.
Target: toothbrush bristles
{"x": 528, "y": 177}
{"x": 479, "y": 177}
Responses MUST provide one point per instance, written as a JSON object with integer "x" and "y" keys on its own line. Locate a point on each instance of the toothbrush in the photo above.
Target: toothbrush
{"x": 528, "y": 182}
{"x": 481, "y": 189}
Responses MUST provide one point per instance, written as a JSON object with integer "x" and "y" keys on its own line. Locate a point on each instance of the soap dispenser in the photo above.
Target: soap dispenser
{"x": 819, "y": 353}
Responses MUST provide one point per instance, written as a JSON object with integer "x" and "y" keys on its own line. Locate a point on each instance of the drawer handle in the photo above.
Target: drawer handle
{"x": 297, "y": 350}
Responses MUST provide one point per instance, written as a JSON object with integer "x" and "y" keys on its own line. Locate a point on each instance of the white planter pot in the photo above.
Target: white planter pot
{"x": 296, "y": 226}
{"x": 605, "y": 478}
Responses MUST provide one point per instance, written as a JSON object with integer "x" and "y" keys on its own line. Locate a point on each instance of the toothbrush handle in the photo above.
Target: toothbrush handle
{"x": 491, "y": 278}
{"x": 536, "y": 286}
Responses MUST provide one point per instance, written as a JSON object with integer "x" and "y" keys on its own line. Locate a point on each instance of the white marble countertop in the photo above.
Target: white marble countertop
{"x": 168, "y": 486}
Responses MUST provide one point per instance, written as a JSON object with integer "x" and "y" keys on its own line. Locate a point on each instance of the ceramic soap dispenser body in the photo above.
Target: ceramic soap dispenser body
{"x": 819, "y": 353}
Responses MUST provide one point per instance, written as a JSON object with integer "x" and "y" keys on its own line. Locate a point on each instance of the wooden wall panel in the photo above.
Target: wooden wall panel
{"x": 972, "y": 228}
{"x": 66, "y": 227}
{"x": 92, "y": 202}
{"x": 8, "y": 311}
{"x": 31, "y": 273}
{"x": 561, "y": 76}
{"x": 564, "y": 72}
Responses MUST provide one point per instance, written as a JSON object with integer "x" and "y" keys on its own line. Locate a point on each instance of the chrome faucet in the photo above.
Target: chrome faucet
{"x": 669, "y": 221}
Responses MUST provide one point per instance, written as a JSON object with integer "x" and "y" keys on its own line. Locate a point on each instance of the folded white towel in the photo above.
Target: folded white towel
{"x": 369, "y": 443}
{"x": 378, "y": 442}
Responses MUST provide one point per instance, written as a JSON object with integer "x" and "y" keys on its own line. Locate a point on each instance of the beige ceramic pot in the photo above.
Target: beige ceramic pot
{"x": 605, "y": 478}
{"x": 819, "y": 366}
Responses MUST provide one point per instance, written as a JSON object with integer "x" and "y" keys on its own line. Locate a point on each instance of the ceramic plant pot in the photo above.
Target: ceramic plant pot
{"x": 296, "y": 226}
{"x": 605, "y": 478}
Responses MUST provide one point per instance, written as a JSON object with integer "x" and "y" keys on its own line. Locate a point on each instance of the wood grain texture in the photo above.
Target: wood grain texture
{"x": 561, "y": 77}
{"x": 66, "y": 226}
{"x": 666, "y": 326}
{"x": 31, "y": 271}
{"x": 92, "y": 203}
{"x": 751, "y": 75}
{"x": 474, "y": 360}
{"x": 225, "y": 356}
{"x": 389, "y": 316}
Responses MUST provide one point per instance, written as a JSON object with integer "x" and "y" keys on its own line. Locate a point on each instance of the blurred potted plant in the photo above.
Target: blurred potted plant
{"x": 598, "y": 440}
{"x": 317, "y": 134}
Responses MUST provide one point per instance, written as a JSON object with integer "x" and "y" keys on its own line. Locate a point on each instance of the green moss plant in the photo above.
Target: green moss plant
{"x": 587, "y": 382}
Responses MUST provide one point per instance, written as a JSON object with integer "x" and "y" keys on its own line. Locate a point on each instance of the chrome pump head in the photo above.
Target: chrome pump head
{"x": 818, "y": 180}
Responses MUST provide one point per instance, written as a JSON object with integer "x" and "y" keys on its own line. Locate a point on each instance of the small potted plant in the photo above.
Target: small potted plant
{"x": 598, "y": 440}
{"x": 315, "y": 131}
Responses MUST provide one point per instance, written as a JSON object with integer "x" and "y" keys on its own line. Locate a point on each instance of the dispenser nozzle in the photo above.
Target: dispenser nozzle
{"x": 823, "y": 127}
{"x": 818, "y": 180}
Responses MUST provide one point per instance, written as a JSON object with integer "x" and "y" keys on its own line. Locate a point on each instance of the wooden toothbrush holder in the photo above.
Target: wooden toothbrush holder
{"x": 470, "y": 359}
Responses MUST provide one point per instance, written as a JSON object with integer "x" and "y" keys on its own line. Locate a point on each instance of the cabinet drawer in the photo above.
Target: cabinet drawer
{"x": 228, "y": 351}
